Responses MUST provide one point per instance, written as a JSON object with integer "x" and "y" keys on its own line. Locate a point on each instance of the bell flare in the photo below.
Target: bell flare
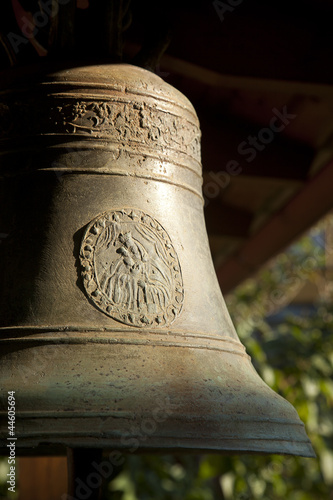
{"x": 114, "y": 332}
{"x": 154, "y": 392}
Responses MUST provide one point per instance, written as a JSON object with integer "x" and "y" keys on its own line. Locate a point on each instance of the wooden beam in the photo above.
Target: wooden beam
{"x": 304, "y": 210}
{"x": 226, "y": 140}
{"x": 42, "y": 478}
{"x": 257, "y": 39}
{"x": 172, "y": 66}
{"x": 216, "y": 79}
{"x": 254, "y": 45}
{"x": 224, "y": 220}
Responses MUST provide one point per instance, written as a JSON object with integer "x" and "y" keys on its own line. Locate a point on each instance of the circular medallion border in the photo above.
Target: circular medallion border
{"x": 130, "y": 269}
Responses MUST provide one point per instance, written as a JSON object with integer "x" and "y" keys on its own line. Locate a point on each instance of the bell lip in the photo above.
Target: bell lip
{"x": 253, "y": 436}
{"x": 30, "y": 446}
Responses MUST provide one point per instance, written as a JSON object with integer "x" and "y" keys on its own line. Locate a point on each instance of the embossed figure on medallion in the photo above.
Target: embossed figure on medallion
{"x": 130, "y": 269}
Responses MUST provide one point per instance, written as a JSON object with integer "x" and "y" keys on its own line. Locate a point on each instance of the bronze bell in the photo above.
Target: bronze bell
{"x": 114, "y": 332}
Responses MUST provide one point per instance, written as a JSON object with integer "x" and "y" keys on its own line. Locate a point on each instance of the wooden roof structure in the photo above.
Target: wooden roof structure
{"x": 241, "y": 67}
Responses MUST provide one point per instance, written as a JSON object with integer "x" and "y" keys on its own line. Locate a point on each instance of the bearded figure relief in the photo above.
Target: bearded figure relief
{"x": 136, "y": 273}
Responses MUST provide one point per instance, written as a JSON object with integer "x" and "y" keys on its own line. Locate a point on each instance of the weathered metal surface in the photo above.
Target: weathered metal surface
{"x": 114, "y": 330}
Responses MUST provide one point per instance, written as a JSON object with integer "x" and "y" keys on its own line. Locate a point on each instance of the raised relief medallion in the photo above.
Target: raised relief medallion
{"x": 130, "y": 269}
